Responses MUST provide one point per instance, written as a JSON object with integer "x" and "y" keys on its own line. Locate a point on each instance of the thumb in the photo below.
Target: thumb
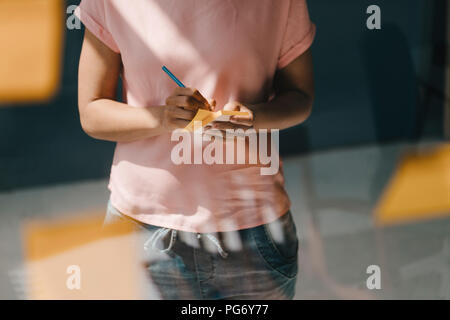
{"x": 212, "y": 103}
{"x": 232, "y": 106}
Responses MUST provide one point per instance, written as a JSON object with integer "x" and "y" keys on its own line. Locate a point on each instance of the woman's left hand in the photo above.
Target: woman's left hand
{"x": 236, "y": 122}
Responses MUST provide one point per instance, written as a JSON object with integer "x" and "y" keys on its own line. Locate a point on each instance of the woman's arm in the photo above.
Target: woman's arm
{"x": 294, "y": 89}
{"x": 102, "y": 117}
{"x": 106, "y": 119}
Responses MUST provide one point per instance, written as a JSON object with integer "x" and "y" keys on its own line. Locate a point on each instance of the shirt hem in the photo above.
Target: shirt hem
{"x": 157, "y": 221}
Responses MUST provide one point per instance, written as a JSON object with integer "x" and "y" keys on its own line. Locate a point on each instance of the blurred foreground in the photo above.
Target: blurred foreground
{"x": 334, "y": 194}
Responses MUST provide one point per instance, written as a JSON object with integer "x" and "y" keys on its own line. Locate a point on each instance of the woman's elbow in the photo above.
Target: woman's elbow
{"x": 309, "y": 106}
{"x": 86, "y": 120}
{"x": 305, "y": 102}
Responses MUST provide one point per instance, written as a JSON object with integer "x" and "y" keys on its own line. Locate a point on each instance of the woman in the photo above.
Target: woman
{"x": 251, "y": 56}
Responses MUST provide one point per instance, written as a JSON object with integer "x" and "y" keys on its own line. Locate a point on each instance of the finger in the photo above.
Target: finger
{"x": 198, "y": 96}
{"x": 231, "y": 106}
{"x": 183, "y": 91}
{"x": 222, "y": 125}
{"x": 187, "y": 102}
{"x": 213, "y": 104}
{"x": 179, "y": 101}
{"x": 178, "y": 124}
{"x": 228, "y": 125}
{"x": 242, "y": 121}
{"x": 201, "y": 102}
{"x": 180, "y": 113}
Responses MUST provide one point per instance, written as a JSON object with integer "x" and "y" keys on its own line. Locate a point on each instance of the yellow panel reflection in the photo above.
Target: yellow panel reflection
{"x": 31, "y": 34}
{"x": 78, "y": 259}
{"x": 420, "y": 189}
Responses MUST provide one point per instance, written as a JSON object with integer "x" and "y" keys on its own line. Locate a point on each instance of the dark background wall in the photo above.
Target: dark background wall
{"x": 370, "y": 83}
{"x": 371, "y": 88}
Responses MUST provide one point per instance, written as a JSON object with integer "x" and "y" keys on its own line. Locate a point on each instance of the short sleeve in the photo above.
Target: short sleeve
{"x": 93, "y": 15}
{"x": 299, "y": 33}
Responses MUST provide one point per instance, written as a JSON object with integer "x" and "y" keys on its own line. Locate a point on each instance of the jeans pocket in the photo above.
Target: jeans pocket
{"x": 277, "y": 243}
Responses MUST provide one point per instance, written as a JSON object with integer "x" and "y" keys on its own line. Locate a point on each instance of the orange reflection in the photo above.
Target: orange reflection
{"x": 31, "y": 36}
{"x": 77, "y": 259}
{"x": 420, "y": 188}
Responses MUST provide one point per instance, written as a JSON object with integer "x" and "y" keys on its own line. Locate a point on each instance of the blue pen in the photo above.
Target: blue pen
{"x": 171, "y": 75}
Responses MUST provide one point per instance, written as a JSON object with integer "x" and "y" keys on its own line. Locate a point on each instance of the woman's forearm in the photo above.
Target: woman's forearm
{"x": 110, "y": 120}
{"x": 286, "y": 110}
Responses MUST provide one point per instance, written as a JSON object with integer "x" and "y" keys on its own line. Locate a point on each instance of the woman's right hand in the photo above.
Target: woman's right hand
{"x": 104, "y": 118}
{"x": 182, "y": 106}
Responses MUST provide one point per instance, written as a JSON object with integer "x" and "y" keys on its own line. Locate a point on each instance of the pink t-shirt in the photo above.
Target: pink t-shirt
{"x": 229, "y": 50}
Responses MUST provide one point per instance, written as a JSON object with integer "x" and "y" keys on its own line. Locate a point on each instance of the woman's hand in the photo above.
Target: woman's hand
{"x": 236, "y": 122}
{"x": 292, "y": 105}
{"x": 182, "y": 106}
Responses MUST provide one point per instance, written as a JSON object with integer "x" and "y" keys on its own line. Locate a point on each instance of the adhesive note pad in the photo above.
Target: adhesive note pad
{"x": 206, "y": 117}
{"x": 31, "y": 40}
{"x": 420, "y": 189}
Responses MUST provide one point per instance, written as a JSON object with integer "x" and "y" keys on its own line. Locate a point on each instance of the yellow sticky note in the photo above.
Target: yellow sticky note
{"x": 419, "y": 189}
{"x": 206, "y": 117}
{"x": 31, "y": 33}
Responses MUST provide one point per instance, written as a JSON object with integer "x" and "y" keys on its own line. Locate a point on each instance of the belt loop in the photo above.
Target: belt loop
{"x": 214, "y": 240}
{"x": 160, "y": 234}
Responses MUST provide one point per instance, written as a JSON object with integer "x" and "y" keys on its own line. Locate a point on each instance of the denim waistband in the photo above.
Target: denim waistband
{"x": 162, "y": 233}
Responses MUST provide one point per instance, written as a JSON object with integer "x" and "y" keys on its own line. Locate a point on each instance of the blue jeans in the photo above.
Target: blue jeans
{"x": 255, "y": 263}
